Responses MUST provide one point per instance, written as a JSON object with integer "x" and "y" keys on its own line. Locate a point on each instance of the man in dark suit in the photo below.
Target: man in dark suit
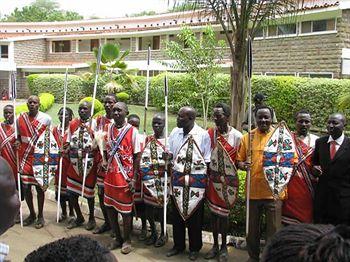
{"x": 332, "y": 194}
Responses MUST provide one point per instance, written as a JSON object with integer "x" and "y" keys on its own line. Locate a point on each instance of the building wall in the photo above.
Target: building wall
{"x": 314, "y": 53}
{"x": 344, "y": 28}
{"x": 30, "y": 51}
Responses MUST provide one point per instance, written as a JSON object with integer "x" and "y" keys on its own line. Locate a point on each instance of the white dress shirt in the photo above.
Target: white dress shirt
{"x": 177, "y": 139}
{"x": 338, "y": 141}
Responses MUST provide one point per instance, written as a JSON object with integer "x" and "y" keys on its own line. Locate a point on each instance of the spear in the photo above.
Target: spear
{"x": 147, "y": 91}
{"x": 13, "y": 96}
{"x": 99, "y": 54}
{"x": 249, "y": 158}
{"x": 165, "y": 144}
{"x": 62, "y": 135}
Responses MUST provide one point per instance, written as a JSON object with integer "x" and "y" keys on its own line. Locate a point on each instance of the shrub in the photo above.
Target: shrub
{"x": 54, "y": 84}
{"x": 123, "y": 97}
{"x": 46, "y": 102}
{"x": 98, "y": 106}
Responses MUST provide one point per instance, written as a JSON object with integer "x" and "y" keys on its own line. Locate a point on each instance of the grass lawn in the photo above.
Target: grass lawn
{"x": 133, "y": 109}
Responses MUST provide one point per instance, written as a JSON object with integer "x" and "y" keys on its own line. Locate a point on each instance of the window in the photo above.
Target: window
{"x": 316, "y": 75}
{"x": 287, "y": 29}
{"x": 317, "y": 26}
{"x": 4, "y": 51}
{"x": 272, "y": 30}
{"x": 88, "y": 45}
{"x": 60, "y": 46}
{"x": 156, "y": 43}
{"x": 124, "y": 43}
{"x": 259, "y": 32}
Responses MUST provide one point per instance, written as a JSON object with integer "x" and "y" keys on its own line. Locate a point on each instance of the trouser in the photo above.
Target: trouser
{"x": 194, "y": 225}
{"x": 273, "y": 210}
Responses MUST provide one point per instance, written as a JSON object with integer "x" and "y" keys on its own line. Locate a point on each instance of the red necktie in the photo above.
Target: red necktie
{"x": 333, "y": 149}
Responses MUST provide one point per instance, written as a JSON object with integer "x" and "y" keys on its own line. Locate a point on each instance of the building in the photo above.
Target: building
{"x": 314, "y": 43}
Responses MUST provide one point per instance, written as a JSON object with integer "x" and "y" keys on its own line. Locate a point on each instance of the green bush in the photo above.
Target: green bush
{"x": 46, "y": 102}
{"x": 123, "y": 97}
{"x": 54, "y": 84}
{"x": 98, "y": 106}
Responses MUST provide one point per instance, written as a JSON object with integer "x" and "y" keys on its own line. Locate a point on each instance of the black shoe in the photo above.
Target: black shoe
{"x": 115, "y": 244}
{"x": 173, "y": 252}
{"x": 193, "y": 255}
{"x": 161, "y": 241}
{"x": 212, "y": 253}
{"x": 151, "y": 239}
{"x": 29, "y": 220}
{"x": 91, "y": 224}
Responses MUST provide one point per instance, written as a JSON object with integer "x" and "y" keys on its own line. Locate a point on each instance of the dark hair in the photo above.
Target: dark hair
{"x": 133, "y": 116}
{"x": 264, "y": 107}
{"x": 69, "y": 110}
{"x": 301, "y": 111}
{"x": 331, "y": 246}
{"x": 258, "y": 97}
{"x": 225, "y": 108}
{"x": 113, "y": 96}
{"x": 76, "y": 248}
{"x": 10, "y": 106}
{"x": 287, "y": 243}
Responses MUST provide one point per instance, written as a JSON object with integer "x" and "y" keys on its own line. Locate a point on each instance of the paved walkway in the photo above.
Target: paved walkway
{"x": 23, "y": 240}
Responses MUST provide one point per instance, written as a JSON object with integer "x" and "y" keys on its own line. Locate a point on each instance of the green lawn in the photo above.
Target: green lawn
{"x": 133, "y": 109}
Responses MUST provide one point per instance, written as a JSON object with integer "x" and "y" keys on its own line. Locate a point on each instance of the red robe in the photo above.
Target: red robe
{"x": 101, "y": 122}
{"x": 80, "y": 137}
{"x": 298, "y": 207}
{"x": 29, "y": 130}
{"x": 7, "y": 139}
{"x": 57, "y": 133}
{"x": 120, "y": 167}
{"x": 222, "y": 189}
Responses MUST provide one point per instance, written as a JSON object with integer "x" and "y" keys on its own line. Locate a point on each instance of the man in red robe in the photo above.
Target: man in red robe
{"x": 123, "y": 151}
{"x": 31, "y": 125}
{"x": 298, "y": 207}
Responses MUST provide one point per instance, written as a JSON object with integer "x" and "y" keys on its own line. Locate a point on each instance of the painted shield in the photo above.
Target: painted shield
{"x": 152, "y": 166}
{"x": 223, "y": 175}
{"x": 278, "y": 161}
{"x": 80, "y": 145}
{"x": 189, "y": 178}
{"x": 46, "y": 156}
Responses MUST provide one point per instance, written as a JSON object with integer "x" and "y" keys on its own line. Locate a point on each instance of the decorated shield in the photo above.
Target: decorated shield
{"x": 189, "y": 178}
{"x": 223, "y": 175}
{"x": 278, "y": 161}
{"x": 80, "y": 145}
{"x": 152, "y": 166}
{"x": 46, "y": 156}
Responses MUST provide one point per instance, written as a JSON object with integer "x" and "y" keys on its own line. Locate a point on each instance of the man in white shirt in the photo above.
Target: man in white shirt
{"x": 332, "y": 194}
{"x": 190, "y": 147}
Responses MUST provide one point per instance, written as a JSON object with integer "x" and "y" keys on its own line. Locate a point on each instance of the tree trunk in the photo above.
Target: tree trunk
{"x": 237, "y": 97}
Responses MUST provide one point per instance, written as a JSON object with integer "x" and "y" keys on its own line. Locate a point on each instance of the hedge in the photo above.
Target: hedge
{"x": 98, "y": 106}
{"x": 54, "y": 84}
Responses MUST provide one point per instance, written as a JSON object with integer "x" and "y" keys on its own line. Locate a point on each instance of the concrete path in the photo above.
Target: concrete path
{"x": 24, "y": 240}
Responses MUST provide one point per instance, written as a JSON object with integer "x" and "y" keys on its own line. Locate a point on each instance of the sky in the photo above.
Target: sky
{"x": 99, "y": 8}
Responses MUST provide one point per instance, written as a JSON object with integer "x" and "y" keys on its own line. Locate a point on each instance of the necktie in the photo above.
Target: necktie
{"x": 333, "y": 149}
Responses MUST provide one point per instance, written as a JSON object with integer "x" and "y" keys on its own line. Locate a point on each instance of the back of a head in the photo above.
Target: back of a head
{"x": 72, "y": 249}
{"x": 333, "y": 246}
{"x": 287, "y": 243}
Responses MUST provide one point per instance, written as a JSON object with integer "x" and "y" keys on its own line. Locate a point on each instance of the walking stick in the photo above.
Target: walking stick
{"x": 165, "y": 144}
{"x": 14, "y": 95}
{"x": 62, "y": 135}
{"x": 249, "y": 158}
{"x": 92, "y": 113}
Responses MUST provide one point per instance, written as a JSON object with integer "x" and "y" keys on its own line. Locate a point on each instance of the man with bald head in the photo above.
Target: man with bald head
{"x": 81, "y": 152}
{"x": 332, "y": 194}
{"x": 33, "y": 126}
{"x": 189, "y": 145}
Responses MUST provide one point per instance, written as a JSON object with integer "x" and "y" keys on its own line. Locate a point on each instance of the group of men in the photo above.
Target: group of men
{"x": 191, "y": 167}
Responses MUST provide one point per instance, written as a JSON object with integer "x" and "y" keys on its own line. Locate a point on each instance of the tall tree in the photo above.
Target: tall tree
{"x": 201, "y": 59}
{"x": 39, "y": 11}
{"x": 240, "y": 19}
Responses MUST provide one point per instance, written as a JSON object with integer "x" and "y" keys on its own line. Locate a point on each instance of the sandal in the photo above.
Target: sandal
{"x": 143, "y": 235}
{"x": 75, "y": 223}
{"x": 28, "y": 221}
{"x": 212, "y": 253}
{"x": 223, "y": 255}
{"x": 91, "y": 224}
{"x": 126, "y": 248}
{"x": 115, "y": 244}
{"x": 151, "y": 240}
{"x": 161, "y": 240}
{"x": 104, "y": 228}
{"x": 39, "y": 223}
